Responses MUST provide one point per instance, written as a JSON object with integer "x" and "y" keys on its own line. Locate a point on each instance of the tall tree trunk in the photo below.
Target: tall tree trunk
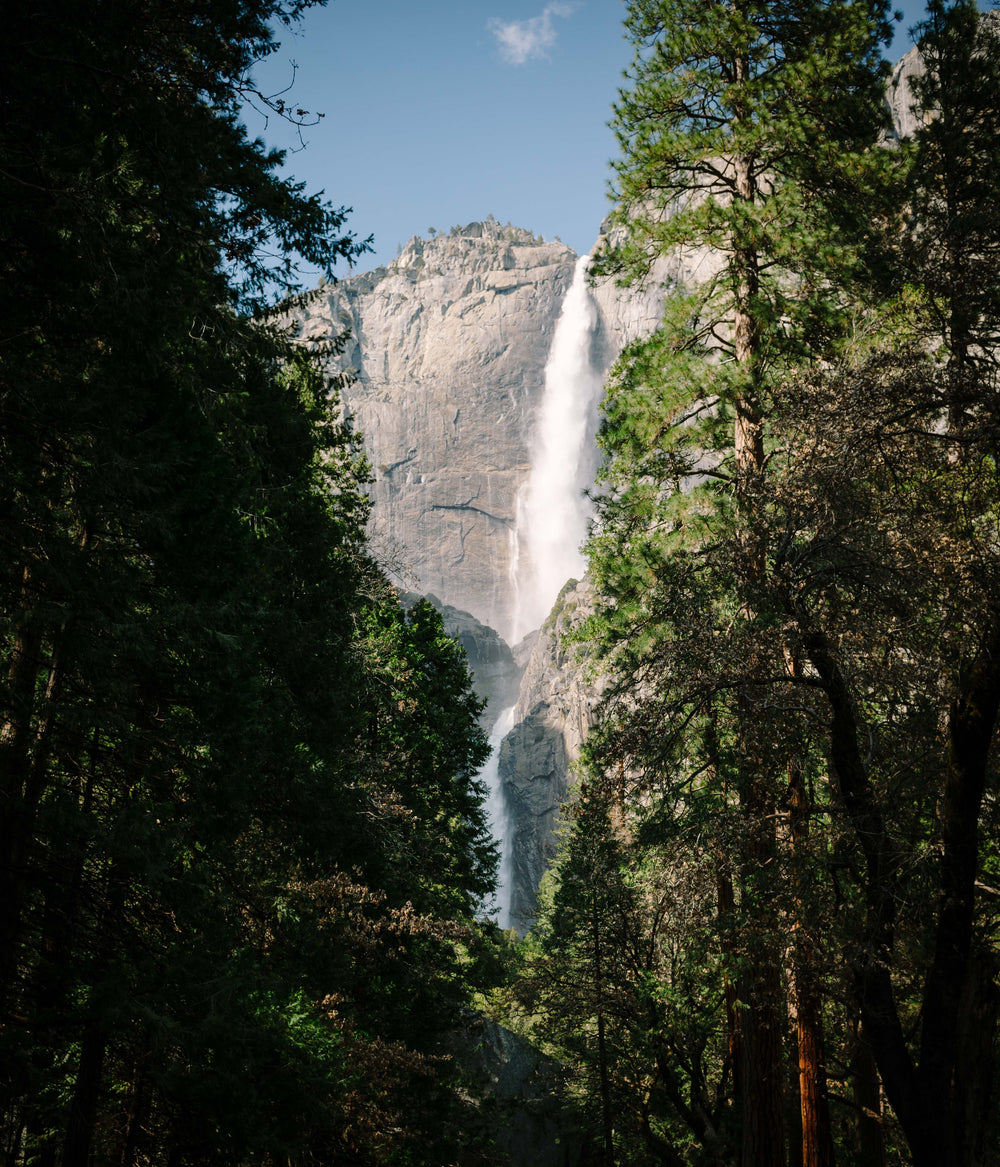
{"x": 86, "y": 1094}
{"x": 793, "y": 1116}
{"x": 971, "y": 727}
{"x": 51, "y": 980}
{"x": 761, "y": 992}
{"x": 975, "y": 1078}
{"x": 761, "y": 995}
{"x": 607, "y": 1123}
{"x": 817, "y": 1135}
{"x": 136, "y": 1114}
{"x": 922, "y": 1092}
{"x": 15, "y": 762}
{"x": 762, "y": 1068}
{"x": 868, "y": 1101}
{"x": 25, "y": 747}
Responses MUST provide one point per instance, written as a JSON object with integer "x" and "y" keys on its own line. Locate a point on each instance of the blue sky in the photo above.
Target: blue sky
{"x": 438, "y": 112}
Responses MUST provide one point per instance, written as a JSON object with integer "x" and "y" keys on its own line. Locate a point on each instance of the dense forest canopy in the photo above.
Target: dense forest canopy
{"x": 242, "y": 843}
{"x": 243, "y": 853}
{"x": 771, "y": 937}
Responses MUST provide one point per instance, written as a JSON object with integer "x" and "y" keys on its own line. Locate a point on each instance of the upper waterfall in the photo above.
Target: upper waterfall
{"x": 553, "y": 511}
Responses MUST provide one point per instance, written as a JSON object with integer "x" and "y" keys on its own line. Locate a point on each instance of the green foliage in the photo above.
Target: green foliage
{"x": 622, "y": 981}
{"x": 242, "y": 841}
{"x": 746, "y": 129}
{"x": 953, "y": 255}
{"x": 791, "y": 787}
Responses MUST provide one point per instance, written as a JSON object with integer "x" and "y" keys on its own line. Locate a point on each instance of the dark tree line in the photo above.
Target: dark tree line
{"x": 241, "y": 835}
{"x": 772, "y": 935}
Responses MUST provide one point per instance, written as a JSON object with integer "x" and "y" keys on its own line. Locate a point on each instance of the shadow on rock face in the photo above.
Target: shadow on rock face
{"x": 517, "y": 1093}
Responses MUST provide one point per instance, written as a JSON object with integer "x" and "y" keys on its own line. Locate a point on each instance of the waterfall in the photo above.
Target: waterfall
{"x": 553, "y": 512}
{"x": 499, "y": 816}
{"x": 552, "y": 518}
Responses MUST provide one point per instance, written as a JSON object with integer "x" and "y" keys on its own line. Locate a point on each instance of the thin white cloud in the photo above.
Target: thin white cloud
{"x": 523, "y": 40}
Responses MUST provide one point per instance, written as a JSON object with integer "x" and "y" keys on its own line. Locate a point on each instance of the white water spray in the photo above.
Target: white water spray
{"x": 499, "y": 816}
{"x": 552, "y": 518}
{"x": 553, "y": 512}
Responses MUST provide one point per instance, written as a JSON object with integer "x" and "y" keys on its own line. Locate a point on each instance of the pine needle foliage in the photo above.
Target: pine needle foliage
{"x": 793, "y": 771}
{"x": 241, "y": 836}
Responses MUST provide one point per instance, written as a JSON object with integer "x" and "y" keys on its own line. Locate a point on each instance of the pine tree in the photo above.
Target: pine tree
{"x": 902, "y": 517}
{"x": 208, "y": 949}
{"x": 744, "y": 133}
{"x": 952, "y": 250}
{"x": 746, "y": 139}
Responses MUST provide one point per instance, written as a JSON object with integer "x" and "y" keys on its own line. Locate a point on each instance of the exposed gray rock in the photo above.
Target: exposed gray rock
{"x": 495, "y": 674}
{"x": 899, "y": 94}
{"x": 448, "y": 349}
{"x": 629, "y": 314}
{"x": 553, "y": 715}
{"x": 517, "y": 1090}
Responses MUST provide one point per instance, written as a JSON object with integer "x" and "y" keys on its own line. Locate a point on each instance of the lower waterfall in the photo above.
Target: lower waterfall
{"x": 499, "y": 817}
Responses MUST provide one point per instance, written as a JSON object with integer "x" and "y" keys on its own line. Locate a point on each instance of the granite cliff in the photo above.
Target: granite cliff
{"x": 447, "y": 353}
{"x": 553, "y": 715}
{"x": 445, "y": 362}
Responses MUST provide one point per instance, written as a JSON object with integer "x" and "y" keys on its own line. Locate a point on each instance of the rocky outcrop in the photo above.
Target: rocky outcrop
{"x": 445, "y": 365}
{"x": 900, "y": 96}
{"x": 447, "y": 351}
{"x": 495, "y": 673}
{"x": 517, "y": 1094}
{"x": 553, "y": 715}
{"x": 629, "y": 314}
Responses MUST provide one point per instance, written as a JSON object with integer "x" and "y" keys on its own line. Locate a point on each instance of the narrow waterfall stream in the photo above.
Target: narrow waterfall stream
{"x": 552, "y": 517}
{"x": 499, "y": 816}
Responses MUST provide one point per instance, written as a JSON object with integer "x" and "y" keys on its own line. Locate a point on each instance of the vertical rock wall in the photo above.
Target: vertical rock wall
{"x": 553, "y": 715}
{"x": 447, "y": 352}
{"x": 447, "y": 348}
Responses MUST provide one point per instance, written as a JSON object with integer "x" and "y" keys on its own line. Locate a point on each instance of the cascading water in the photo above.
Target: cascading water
{"x": 499, "y": 816}
{"x": 552, "y": 517}
{"x": 553, "y": 511}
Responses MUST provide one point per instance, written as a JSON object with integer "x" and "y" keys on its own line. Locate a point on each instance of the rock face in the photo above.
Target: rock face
{"x": 899, "y": 94}
{"x": 446, "y": 366}
{"x": 447, "y": 348}
{"x": 495, "y": 673}
{"x": 518, "y": 1092}
{"x": 629, "y": 314}
{"x": 552, "y": 718}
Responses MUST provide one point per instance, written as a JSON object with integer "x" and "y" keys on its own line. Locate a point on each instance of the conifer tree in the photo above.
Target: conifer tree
{"x": 887, "y": 545}
{"x": 837, "y": 581}
{"x": 952, "y": 249}
{"x": 746, "y": 139}
{"x": 228, "y": 914}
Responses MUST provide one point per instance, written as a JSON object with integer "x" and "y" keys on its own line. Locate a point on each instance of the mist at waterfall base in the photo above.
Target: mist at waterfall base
{"x": 499, "y": 817}
{"x": 552, "y": 518}
{"x": 553, "y": 511}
